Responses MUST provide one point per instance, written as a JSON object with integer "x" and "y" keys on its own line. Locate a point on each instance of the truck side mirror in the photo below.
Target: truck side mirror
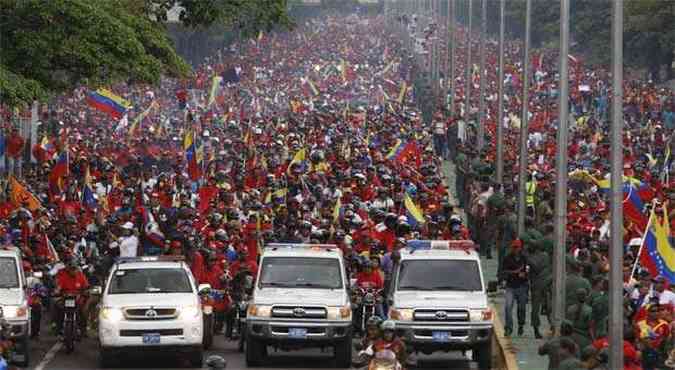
{"x": 492, "y": 286}
{"x": 203, "y": 287}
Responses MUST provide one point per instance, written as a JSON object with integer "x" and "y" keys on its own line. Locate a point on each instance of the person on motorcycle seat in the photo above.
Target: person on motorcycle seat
{"x": 368, "y": 277}
{"x": 390, "y": 341}
{"x": 71, "y": 281}
{"x": 215, "y": 276}
{"x": 373, "y": 332}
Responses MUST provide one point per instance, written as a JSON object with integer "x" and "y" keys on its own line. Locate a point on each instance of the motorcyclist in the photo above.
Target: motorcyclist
{"x": 373, "y": 332}
{"x": 368, "y": 277}
{"x": 216, "y": 277}
{"x": 389, "y": 341}
{"x": 71, "y": 281}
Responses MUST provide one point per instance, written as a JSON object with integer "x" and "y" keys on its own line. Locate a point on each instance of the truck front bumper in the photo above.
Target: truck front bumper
{"x": 320, "y": 332}
{"x": 444, "y": 336}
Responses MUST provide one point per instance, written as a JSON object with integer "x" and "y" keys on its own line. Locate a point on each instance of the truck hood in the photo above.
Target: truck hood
{"x": 440, "y": 299}
{"x": 11, "y": 297}
{"x": 301, "y": 296}
{"x": 151, "y": 300}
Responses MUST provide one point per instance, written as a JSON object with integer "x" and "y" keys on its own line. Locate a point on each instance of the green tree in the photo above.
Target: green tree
{"x": 47, "y": 47}
{"x": 651, "y": 34}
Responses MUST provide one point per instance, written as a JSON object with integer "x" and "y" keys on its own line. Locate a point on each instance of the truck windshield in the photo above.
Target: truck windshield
{"x": 461, "y": 275}
{"x": 321, "y": 273}
{"x": 9, "y": 276}
{"x": 154, "y": 280}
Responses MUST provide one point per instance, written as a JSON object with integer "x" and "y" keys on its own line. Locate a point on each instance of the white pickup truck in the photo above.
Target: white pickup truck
{"x": 439, "y": 301}
{"x": 150, "y": 304}
{"x": 300, "y": 300}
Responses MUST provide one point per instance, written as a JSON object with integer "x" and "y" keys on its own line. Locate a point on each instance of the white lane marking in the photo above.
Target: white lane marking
{"x": 49, "y": 356}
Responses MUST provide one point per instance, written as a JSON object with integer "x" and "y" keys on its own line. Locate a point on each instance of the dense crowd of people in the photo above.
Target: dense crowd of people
{"x": 311, "y": 136}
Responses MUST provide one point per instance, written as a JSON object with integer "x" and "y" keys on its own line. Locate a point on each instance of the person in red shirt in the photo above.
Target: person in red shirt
{"x": 71, "y": 281}
{"x": 215, "y": 276}
{"x": 369, "y": 278}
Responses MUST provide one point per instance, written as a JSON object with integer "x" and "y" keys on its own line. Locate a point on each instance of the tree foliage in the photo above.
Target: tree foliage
{"x": 51, "y": 46}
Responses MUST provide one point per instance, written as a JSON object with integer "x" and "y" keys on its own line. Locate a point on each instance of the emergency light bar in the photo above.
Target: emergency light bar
{"x": 464, "y": 245}
{"x": 277, "y": 246}
{"x": 151, "y": 259}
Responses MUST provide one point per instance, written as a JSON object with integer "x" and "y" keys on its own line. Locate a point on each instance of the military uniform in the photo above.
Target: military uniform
{"x": 580, "y": 314}
{"x": 540, "y": 281}
{"x": 574, "y": 282}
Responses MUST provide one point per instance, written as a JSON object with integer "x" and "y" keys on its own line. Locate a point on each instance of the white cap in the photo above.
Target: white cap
{"x": 128, "y": 226}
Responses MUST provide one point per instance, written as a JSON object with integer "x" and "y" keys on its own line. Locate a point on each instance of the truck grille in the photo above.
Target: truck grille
{"x": 150, "y": 313}
{"x": 441, "y": 315}
{"x": 299, "y": 312}
{"x": 140, "y": 333}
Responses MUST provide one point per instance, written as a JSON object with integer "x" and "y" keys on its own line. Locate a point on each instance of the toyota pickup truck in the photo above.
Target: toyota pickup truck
{"x": 300, "y": 300}
{"x": 439, "y": 301}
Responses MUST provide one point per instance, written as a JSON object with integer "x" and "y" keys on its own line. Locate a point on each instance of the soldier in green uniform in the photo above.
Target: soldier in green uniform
{"x": 580, "y": 314}
{"x": 490, "y": 230}
{"x": 552, "y": 347}
{"x": 461, "y": 167}
{"x": 507, "y": 230}
{"x": 599, "y": 302}
{"x": 530, "y": 235}
{"x": 573, "y": 282}
{"x": 541, "y": 279}
{"x": 568, "y": 355}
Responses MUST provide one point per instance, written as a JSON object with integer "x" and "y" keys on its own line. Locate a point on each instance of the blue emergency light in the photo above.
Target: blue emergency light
{"x": 278, "y": 246}
{"x": 416, "y": 245}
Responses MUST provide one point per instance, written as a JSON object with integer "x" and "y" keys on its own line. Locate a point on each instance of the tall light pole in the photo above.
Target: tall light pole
{"x": 524, "y": 120}
{"x": 500, "y": 97}
{"x": 560, "y": 221}
{"x": 468, "y": 81}
{"x": 453, "y": 16}
{"x": 483, "y": 77}
{"x": 616, "y": 224}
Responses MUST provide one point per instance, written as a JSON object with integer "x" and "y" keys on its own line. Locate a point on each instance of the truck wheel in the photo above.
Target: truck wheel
{"x": 106, "y": 358}
{"x": 483, "y": 355}
{"x": 25, "y": 352}
{"x": 197, "y": 358}
{"x": 256, "y": 351}
{"x": 343, "y": 353}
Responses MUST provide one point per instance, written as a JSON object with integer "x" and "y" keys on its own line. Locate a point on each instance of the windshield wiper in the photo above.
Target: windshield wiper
{"x": 277, "y": 284}
{"x": 414, "y": 287}
{"x": 452, "y": 287}
{"x": 313, "y": 285}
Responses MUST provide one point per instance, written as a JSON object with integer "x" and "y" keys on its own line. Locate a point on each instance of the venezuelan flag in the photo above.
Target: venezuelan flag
{"x": 59, "y": 171}
{"x": 191, "y": 155}
{"x": 414, "y": 213}
{"x": 106, "y": 101}
{"x": 298, "y": 158}
{"x": 659, "y": 247}
{"x": 88, "y": 198}
{"x": 396, "y": 149}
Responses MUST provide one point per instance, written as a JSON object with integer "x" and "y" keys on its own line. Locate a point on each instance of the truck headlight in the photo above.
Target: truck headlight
{"x": 480, "y": 315}
{"x": 111, "y": 314}
{"x": 339, "y": 313}
{"x": 259, "y": 311}
{"x": 15, "y": 312}
{"x": 401, "y": 314}
{"x": 190, "y": 312}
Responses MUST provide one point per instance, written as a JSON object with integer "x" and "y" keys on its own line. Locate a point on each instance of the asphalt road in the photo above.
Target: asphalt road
{"x": 46, "y": 354}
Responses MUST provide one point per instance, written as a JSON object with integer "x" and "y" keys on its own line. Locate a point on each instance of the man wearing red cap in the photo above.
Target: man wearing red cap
{"x": 514, "y": 273}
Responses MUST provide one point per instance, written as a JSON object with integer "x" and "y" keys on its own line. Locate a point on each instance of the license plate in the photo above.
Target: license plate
{"x": 70, "y": 303}
{"x": 440, "y": 336}
{"x": 151, "y": 338}
{"x": 297, "y": 333}
{"x": 208, "y": 310}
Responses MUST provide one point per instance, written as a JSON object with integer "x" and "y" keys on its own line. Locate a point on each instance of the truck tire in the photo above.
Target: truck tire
{"x": 197, "y": 358}
{"x": 106, "y": 358}
{"x": 483, "y": 355}
{"x": 25, "y": 352}
{"x": 256, "y": 351}
{"x": 343, "y": 353}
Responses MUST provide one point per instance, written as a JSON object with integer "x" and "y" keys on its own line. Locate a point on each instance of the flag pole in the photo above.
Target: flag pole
{"x": 616, "y": 314}
{"x": 642, "y": 243}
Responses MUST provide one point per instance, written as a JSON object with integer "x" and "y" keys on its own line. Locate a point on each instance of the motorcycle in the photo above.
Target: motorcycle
{"x": 384, "y": 359}
{"x": 364, "y": 300}
{"x": 240, "y": 321}
{"x": 207, "y": 302}
{"x": 70, "y": 313}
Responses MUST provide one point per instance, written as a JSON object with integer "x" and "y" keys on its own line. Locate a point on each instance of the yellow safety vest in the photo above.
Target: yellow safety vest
{"x": 530, "y": 189}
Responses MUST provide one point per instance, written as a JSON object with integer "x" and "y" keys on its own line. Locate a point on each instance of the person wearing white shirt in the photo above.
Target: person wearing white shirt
{"x": 666, "y": 296}
{"x": 128, "y": 243}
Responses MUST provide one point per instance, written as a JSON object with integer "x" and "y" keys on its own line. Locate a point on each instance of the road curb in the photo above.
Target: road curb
{"x": 505, "y": 357}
